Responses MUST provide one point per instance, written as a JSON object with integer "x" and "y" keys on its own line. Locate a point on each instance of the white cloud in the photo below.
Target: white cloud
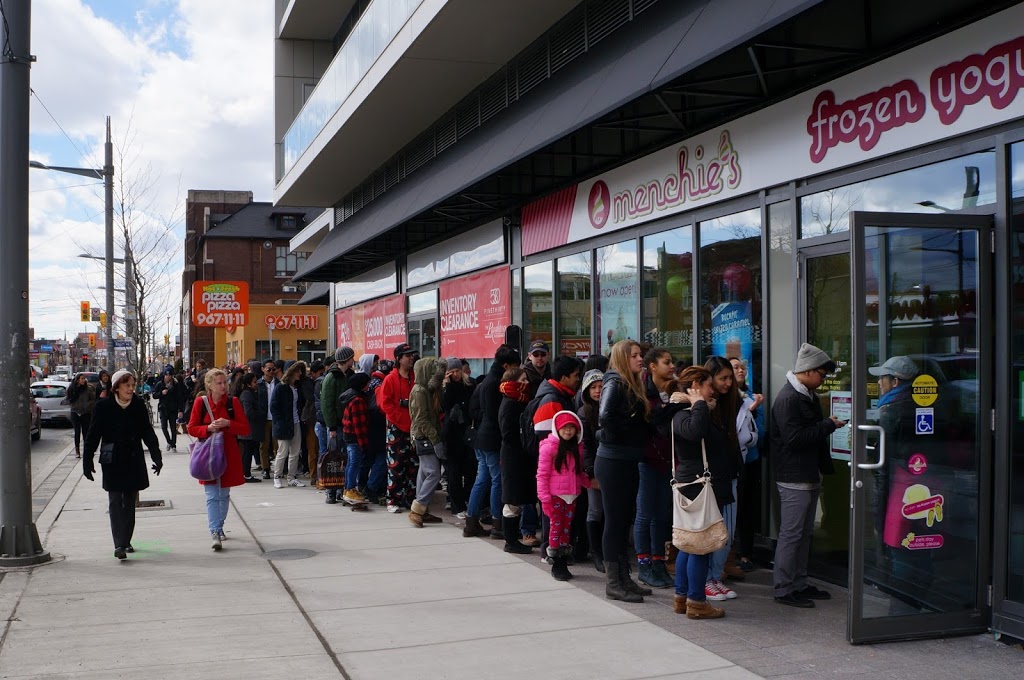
{"x": 193, "y": 79}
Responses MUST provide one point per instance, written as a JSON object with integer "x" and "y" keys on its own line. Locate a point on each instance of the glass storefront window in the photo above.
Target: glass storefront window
{"x": 537, "y": 304}
{"x": 1015, "y": 548}
{"x": 781, "y": 306}
{"x": 730, "y": 295}
{"x": 617, "y": 294}
{"x": 941, "y": 187}
{"x": 422, "y": 302}
{"x": 574, "y": 305}
{"x": 668, "y": 291}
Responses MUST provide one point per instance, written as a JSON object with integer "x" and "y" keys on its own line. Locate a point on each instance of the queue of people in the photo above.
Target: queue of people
{"x": 596, "y": 445}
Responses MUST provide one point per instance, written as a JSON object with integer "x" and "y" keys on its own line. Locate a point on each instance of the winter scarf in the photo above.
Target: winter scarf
{"x": 513, "y": 389}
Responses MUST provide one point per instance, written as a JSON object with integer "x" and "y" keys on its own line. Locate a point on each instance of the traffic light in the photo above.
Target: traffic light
{"x": 103, "y": 319}
{"x": 92, "y": 339}
{"x": 85, "y": 311}
{"x": 85, "y": 359}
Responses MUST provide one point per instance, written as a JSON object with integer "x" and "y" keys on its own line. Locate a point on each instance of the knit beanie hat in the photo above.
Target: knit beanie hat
{"x": 123, "y": 374}
{"x": 810, "y": 357}
{"x": 344, "y": 354}
{"x": 358, "y": 382}
{"x": 590, "y": 377}
{"x": 454, "y": 364}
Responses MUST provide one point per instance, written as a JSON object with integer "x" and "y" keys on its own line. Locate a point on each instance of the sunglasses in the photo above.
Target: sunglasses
{"x": 539, "y": 354}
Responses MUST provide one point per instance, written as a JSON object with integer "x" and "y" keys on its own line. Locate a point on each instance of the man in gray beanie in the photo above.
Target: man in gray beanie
{"x": 333, "y": 386}
{"x": 800, "y": 455}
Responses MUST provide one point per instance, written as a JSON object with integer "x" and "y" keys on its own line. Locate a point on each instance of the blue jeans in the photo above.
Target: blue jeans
{"x": 720, "y": 556}
{"x": 377, "y": 479}
{"x": 216, "y": 505}
{"x": 529, "y": 520}
{"x": 691, "y": 572}
{"x": 322, "y": 436}
{"x": 488, "y": 471}
{"x": 353, "y": 465}
{"x": 653, "y": 524}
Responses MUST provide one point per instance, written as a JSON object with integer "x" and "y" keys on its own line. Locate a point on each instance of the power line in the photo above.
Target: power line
{"x": 59, "y": 126}
{"x": 69, "y": 186}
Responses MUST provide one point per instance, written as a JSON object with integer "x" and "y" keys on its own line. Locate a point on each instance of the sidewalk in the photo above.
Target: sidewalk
{"x": 379, "y": 598}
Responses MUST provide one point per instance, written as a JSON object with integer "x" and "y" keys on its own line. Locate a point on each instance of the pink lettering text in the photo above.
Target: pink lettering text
{"x": 998, "y": 74}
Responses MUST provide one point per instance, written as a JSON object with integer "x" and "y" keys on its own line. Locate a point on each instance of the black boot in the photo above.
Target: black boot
{"x": 629, "y": 584}
{"x": 559, "y": 571}
{"x": 613, "y": 589}
{"x": 594, "y": 532}
{"x": 512, "y": 543}
{"x": 473, "y": 528}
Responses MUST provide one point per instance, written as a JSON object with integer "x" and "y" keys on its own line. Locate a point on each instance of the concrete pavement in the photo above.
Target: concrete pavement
{"x": 379, "y": 598}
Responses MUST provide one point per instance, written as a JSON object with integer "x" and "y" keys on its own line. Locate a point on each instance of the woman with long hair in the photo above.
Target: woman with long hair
{"x": 694, "y": 435}
{"x": 723, "y": 421}
{"x": 218, "y": 411}
{"x": 103, "y": 387}
{"x": 749, "y": 429}
{"x": 518, "y": 471}
{"x": 120, "y": 426}
{"x": 285, "y": 406}
{"x": 82, "y": 399}
{"x": 624, "y": 431}
{"x": 590, "y": 394}
{"x": 245, "y": 392}
{"x": 653, "y": 525}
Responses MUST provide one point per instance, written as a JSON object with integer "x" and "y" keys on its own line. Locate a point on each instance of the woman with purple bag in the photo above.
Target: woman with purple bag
{"x": 216, "y": 411}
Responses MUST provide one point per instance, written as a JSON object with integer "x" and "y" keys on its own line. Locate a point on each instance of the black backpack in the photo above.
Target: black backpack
{"x": 527, "y": 434}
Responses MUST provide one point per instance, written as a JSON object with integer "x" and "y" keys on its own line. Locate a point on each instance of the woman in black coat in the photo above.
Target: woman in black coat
{"x": 461, "y": 463}
{"x": 245, "y": 390}
{"x": 518, "y": 471}
{"x": 120, "y": 425}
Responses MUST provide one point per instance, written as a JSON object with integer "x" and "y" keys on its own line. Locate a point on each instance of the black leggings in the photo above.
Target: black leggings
{"x": 619, "y": 480}
{"x": 81, "y": 423}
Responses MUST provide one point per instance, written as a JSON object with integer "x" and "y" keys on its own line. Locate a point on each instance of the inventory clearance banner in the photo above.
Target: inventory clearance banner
{"x": 372, "y": 328}
{"x": 474, "y": 313}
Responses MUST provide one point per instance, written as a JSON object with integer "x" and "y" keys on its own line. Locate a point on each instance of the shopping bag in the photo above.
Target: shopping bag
{"x": 207, "y": 461}
{"x": 330, "y": 468}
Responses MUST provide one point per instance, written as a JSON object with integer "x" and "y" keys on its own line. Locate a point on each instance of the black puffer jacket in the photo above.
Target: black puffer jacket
{"x": 623, "y": 431}
{"x": 488, "y": 398}
{"x": 248, "y": 398}
{"x": 518, "y": 469}
{"x": 799, "y": 436}
{"x": 689, "y": 427}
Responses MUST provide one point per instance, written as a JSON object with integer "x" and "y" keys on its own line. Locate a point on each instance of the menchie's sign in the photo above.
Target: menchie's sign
{"x": 966, "y": 80}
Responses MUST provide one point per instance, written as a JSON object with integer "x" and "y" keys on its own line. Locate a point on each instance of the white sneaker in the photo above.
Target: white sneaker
{"x": 296, "y": 482}
{"x": 278, "y": 484}
{"x": 394, "y": 509}
{"x": 460, "y": 515}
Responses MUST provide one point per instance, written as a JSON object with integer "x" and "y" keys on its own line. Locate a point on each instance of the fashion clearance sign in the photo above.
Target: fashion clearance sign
{"x": 966, "y": 80}
{"x": 474, "y": 313}
{"x": 373, "y": 327}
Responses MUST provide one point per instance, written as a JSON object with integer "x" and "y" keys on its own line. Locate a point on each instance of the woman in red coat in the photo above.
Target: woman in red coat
{"x": 233, "y": 424}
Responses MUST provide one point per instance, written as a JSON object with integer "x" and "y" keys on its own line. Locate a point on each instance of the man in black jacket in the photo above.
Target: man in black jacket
{"x": 537, "y": 367}
{"x": 484, "y": 409}
{"x": 264, "y": 391}
{"x": 800, "y": 454}
{"x": 171, "y": 394}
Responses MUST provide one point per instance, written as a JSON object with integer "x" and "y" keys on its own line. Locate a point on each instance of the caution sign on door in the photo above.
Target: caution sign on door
{"x": 925, "y": 390}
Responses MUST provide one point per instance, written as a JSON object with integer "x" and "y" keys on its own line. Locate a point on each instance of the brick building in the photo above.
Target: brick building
{"x": 230, "y": 237}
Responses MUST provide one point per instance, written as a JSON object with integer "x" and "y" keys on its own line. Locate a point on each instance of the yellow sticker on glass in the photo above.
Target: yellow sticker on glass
{"x": 925, "y": 390}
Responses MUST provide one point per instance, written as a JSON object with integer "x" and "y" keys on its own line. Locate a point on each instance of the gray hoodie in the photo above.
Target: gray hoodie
{"x": 365, "y": 364}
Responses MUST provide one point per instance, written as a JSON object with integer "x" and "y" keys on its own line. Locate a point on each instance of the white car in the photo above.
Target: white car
{"x": 49, "y": 394}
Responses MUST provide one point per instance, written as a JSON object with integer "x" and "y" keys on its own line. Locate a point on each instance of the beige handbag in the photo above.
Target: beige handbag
{"x": 697, "y": 526}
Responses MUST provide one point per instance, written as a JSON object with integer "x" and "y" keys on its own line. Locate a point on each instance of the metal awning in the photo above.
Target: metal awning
{"x": 633, "y": 64}
{"x": 318, "y": 293}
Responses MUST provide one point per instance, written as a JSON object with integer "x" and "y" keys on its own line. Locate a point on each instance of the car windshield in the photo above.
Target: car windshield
{"x": 48, "y": 391}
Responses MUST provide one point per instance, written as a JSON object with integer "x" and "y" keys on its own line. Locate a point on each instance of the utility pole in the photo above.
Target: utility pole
{"x": 108, "y": 195}
{"x": 19, "y": 540}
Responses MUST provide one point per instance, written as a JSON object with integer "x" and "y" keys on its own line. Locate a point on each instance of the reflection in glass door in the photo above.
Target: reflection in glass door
{"x": 826, "y": 275}
{"x": 921, "y": 448}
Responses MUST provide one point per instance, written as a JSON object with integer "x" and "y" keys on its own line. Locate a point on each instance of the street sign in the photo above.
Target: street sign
{"x": 46, "y": 348}
{"x": 103, "y": 319}
{"x": 95, "y": 314}
{"x": 123, "y": 343}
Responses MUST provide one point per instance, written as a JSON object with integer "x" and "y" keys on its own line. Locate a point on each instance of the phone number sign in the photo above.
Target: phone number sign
{"x": 220, "y": 304}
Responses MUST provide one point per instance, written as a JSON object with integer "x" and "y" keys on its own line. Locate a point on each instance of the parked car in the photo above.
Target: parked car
{"x": 49, "y": 394}
{"x": 35, "y": 419}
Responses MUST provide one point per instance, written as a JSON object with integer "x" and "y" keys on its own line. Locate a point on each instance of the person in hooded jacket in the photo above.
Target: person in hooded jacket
{"x": 285, "y": 406}
{"x": 560, "y": 481}
{"x": 374, "y": 476}
{"x": 590, "y": 396}
{"x": 457, "y": 390}
{"x": 518, "y": 470}
{"x": 425, "y": 416}
{"x": 245, "y": 392}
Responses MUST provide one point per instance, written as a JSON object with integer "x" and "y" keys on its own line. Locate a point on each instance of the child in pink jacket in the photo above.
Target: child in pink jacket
{"x": 560, "y": 479}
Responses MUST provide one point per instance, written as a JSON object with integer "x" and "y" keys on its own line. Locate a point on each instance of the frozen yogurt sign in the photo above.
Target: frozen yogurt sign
{"x": 996, "y": 75}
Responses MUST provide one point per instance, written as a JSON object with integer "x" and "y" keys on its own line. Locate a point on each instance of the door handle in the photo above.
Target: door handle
{"x": 881, "y": 447}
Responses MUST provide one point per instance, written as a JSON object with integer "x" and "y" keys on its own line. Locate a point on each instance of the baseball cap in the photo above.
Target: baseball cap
{"x": 538, "y": 346}
{"x": 403, "y": 349}
{"x": 899, "y": 366}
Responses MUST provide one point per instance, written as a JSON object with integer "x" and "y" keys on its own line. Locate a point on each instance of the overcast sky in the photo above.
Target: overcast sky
{"x": 192, "y": 78}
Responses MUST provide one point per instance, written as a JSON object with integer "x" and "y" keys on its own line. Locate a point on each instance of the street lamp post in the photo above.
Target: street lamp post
{"x": 107, "y": 175}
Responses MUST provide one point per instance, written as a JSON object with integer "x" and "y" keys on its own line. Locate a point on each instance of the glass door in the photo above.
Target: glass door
{"x": 921, "y": 436}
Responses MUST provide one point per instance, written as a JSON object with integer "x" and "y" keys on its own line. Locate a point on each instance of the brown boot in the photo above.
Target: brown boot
{"x": 679, "y": 604}
{"x": 732, "y": 570}
{"x": 703, "y": 610}
{"x": 473, "y": 528}
{"x": 416, "y": 514}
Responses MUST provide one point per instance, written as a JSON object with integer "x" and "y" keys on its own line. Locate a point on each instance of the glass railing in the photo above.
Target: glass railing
{"x": 376, "y": 28}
